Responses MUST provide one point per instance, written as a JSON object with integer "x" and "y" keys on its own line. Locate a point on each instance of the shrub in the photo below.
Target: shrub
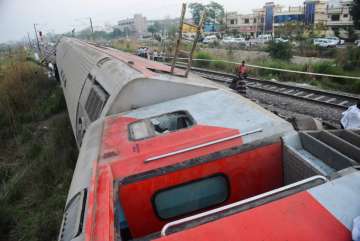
{"x": 280, "y": 50}
{"x": 219, "y": 65}
{"x": 349, "y": 58}
{"x": 202, "y": 55}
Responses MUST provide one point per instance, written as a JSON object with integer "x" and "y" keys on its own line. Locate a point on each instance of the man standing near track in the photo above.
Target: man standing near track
{"x": 351, "y": 117}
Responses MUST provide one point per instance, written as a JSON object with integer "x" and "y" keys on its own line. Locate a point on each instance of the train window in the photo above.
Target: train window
{"x": 96, "y": 101}
{"x": 74, "y": 217}
{"x": 162, "y": 124}
{"x": 190, "y": 197}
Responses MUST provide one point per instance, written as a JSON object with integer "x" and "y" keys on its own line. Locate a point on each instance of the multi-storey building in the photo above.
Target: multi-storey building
{"x": 271, "y": 16}
{"x": 133, "y": 26}
{"x": 338, "y": 15}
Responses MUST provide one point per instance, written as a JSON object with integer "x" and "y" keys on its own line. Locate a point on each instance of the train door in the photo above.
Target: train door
{"x": 92, "y": 101}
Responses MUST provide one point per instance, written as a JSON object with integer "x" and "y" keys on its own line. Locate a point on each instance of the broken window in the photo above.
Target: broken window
{"x": 159, "y": 125}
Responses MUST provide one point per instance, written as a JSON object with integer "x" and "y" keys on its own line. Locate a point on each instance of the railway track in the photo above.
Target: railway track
{"x": 328, "y": 98}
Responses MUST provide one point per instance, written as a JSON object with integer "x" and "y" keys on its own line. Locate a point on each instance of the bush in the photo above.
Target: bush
{"x": 349, "y": 58}
{"x": 202, "y": 55}
{"x": 219, "y": 65}
{"x": 280, "y": 50}
{"x": 37, "y": 153}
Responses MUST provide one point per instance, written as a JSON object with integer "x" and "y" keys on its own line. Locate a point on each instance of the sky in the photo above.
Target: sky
{"x": 58, "y": 16}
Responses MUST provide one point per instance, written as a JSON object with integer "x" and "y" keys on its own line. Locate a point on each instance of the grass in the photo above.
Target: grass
{"x": 37, "y": 152}
{"x": 325, "y": 67}
{"x": 125, "y": 45}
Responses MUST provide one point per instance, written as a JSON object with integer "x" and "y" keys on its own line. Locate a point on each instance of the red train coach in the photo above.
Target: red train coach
{"x": 163, "y": 154}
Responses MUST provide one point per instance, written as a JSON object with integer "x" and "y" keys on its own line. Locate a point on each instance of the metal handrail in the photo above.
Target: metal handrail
{"x": 202, "y": 145}
{"x": 242, "y": 202}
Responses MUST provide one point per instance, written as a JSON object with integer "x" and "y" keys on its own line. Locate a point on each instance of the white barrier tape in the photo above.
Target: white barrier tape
{"x": 276, "y": 69}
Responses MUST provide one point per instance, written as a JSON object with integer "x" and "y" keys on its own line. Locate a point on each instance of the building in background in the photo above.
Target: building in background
{"x": 266, "y": 19}
{"x": 338, "y": 15}
{"x": 246, "y": 24}
{"x": 136, "y": 26}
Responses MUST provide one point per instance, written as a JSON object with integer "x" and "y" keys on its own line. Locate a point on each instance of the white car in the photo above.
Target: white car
{"x": 325, "y": 43}
{"x": 231, "y": 40}
{"x": 227, "y": 40}
{"x": 210, "y": 39}
{"x": 357, "y": 43}
{"x": 336, "y": 39}
{"x": 263, "y": 38}
{"x": 281, "y": 40}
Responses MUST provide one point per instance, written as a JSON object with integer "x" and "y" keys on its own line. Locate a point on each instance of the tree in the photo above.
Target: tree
{"x": 171, "y": 30}
{"x": 196, "y": 11}
{"x": 215, "y": 13}
{"x": 155, "y": 28}
{"x": 355, "y": 13}
{"x": 117, "y": 33}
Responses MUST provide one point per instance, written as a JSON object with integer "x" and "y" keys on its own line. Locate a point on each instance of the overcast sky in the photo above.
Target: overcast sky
{"x": 17, "y": 16}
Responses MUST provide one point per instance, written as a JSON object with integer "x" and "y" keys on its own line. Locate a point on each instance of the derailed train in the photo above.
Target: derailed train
{"x": 163, "y": 157}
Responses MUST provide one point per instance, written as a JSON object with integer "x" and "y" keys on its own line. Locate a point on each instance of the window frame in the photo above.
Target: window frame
{"x": 100, "y": 94}
{"x": 80, "y": 215}
{"x": 228, "y": 188}
{"x": 148, "y": 123}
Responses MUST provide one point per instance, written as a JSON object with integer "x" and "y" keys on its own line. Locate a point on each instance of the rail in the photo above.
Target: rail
{"x": 329, "y": 98}
{"x": 202, "y": 145}
{"x": 276, "y": 69}
{"x": 242, "y": 202}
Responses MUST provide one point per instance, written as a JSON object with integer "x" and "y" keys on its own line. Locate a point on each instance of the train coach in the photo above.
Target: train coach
{"x": 164, "y": 157}
{"x": 99, "y": 81}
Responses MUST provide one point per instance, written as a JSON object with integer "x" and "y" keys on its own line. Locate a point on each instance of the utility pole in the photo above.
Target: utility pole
{"x": 91, "y": 26}
{"x": 226, "y": 27}
{"x": 198, "y": 33}
{"x": 178, "y": 42}
{"x": 37, "y": 39}
{"x": 28, "y": 35}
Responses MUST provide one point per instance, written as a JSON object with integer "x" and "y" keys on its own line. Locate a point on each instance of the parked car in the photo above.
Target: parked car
{"x": 281, "y": 40}
{"x": 227, "y": 40}
{"x": 210, "y": 39}
{"x": 336, "y": 39}
{"x": 264, "y": 38}
{"x": 325, "y": 43}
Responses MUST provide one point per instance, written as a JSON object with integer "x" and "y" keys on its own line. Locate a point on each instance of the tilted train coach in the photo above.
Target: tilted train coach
{"x": 164, "y": 157}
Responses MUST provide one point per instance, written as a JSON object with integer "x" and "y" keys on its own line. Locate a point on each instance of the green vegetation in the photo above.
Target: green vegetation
{"x": 325, "y": 67}
{"x": 125, "y": 45}
{"x": 204, "y": 56}
{"x": 215, "y": 13}
{"x": 37, "y": 152}
{"x": 280, "y": 50}
{"x": 348, "y": 59}
{"x": 347, "y": 63}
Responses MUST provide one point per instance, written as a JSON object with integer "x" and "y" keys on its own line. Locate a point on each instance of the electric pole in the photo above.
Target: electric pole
{"x": 37, "y": 39}
{"x": 91, "y": 26}
{"x": 92, "y": 29}
{"x": 28, "y": 35}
